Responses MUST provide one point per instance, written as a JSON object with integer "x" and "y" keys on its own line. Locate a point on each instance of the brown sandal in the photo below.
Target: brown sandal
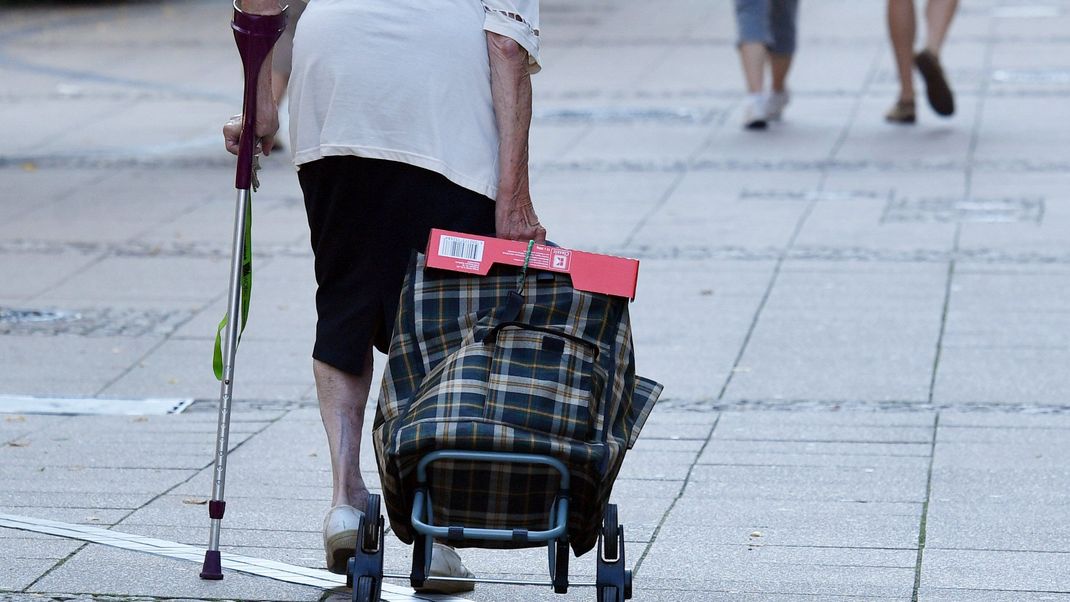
{"x": 902, "y": 112}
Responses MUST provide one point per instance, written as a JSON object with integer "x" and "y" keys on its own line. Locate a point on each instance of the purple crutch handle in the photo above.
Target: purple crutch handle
{"x": 255, "y": 36}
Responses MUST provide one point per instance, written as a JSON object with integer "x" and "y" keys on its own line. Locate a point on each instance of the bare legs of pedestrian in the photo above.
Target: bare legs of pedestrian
{"x": 902, "y": 29}
{"x": 342, "y": 399}
{"x": 762, "y": 108}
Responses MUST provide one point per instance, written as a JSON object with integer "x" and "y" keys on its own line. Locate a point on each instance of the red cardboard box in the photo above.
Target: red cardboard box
{"x": 590, "y": 272}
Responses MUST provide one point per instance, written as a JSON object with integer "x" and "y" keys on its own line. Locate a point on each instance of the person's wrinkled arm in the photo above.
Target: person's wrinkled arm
{"x": 510, "y": 85}
{"x": 267, "y": 111}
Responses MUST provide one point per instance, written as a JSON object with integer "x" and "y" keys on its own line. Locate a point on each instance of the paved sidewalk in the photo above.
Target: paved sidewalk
{"x": 863, "y": 329}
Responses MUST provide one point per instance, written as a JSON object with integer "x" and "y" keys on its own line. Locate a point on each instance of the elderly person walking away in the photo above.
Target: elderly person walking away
{"x": 766, "y": 37}
{"x": 902, "y": 27}
{"x": 405, "y": 115}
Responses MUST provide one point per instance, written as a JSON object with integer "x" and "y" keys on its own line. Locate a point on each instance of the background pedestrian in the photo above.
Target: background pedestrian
{"x": 766, "y": 37}
{"x": 902, "y": 28}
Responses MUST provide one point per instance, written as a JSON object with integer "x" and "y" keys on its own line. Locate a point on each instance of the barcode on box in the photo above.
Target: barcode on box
{"x": 460, "y": 248}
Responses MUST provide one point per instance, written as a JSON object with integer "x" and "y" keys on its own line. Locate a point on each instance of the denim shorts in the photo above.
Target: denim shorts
{"x": 769, "y": 22}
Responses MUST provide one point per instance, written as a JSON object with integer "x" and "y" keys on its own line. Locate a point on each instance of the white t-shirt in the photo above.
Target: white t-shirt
{"x": 405, "y": 81}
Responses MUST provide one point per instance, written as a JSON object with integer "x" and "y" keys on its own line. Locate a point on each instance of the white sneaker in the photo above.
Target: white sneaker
{"x": 774, "y": 105}
{"x": 755, "y": 114}
{"x": 340, "y": 531}
{"x": 445, "y": 562}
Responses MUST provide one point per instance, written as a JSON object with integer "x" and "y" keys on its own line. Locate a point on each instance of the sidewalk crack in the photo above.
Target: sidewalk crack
{"x": 925, "y": 512}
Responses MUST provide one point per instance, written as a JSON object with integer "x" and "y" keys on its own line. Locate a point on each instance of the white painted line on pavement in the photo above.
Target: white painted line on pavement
{"x": 17, "y": 404}
{"x": 246, "y": 564}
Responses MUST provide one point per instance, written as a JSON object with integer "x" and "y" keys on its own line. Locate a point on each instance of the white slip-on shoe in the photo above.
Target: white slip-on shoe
{"x": 755, "y": 116}
{"x": 445, "y": 562}
{"x": 774, "y": 107}
{"x": 340, "y": 531}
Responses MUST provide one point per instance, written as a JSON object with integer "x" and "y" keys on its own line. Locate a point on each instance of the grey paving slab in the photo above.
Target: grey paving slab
{"x": 1039, "y": 572}
{"x": 936, "y": 594}
{"x": 1044, "y": 454}
{"x": 105, "y": 571}
{"x": 1024, "y": 485}
{"x": 807, "y": 483}
{"x": 691, "y": 563}
{"x": 781, "y": 426}
{"x": 20, "y": 499}
{"x": 987, "y": 524}
{"x": 797, "y": 524}
{"x": 17, "y": 574}
{"x": 232, "y": 538}
{"x": 952, "y": 418}
{"x": 30, "y": 274}
{"x": 38, "y": 549}
{"x": 81, "y": 479}
{"x": 183, "y": 368}
{"x": 801, "y": 449}
{"x": 76, "y": 365}
{"x": 166, "y": 279}
{"x": 75, "y": 515}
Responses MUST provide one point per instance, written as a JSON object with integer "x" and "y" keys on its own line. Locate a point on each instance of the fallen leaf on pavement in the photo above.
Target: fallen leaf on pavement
{"x": 194, "y": 501}
{"x": 18, "y": 443}
{"x": 16, "y": 418}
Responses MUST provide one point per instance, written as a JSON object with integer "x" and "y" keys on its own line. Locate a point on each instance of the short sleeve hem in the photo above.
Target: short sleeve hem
{"x": 513, "y": 26}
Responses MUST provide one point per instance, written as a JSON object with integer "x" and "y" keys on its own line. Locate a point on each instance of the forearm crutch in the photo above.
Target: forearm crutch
{"x": 255, "y": 36}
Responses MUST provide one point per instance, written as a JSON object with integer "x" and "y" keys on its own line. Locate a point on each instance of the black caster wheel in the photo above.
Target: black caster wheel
{"x": 364, "y": 573}
{"x": 609, "y": 594}
{"x": 613, "y": 578}
{"x": 372, "y": 519}
{"x": 367, "y": 590}
{"x": 611, "y": 532}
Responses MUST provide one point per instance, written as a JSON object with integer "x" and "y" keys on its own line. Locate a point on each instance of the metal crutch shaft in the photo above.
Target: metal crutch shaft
{"x": 255, "y": 36}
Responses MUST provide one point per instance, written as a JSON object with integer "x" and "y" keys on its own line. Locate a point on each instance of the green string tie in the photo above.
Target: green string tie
{"x": 246, "y": 290}
{"x": 524, "y": 269}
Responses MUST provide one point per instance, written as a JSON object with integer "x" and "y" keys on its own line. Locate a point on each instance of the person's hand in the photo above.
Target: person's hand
{"x": 267, "y": 123}
{"x": 515, "y": 219}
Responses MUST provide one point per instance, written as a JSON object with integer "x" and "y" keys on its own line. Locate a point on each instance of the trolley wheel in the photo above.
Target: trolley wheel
{"x": 349, "y": 571}
{"x": 628, "y": 584}
{"x": 609, "y": 594}
{"x": 610, "y": 533}
{"x": 365, "y": 591}
{"x": 372, "y": 519}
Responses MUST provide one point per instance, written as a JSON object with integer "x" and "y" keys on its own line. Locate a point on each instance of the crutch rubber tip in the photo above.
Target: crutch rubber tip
{"x": 213, "y": 566}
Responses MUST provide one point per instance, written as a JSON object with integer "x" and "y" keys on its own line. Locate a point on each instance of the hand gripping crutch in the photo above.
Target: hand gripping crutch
{"x": 256, "y": 36}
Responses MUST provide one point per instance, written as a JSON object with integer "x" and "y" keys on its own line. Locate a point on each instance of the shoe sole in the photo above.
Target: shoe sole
{"x": 445, "y": 587}
{"x": 936, "y": 87}
{"x": 340, "y": 549}
{"x": 902, "y": 121}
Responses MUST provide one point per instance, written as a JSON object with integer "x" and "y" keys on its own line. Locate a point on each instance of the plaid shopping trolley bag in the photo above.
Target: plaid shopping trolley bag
{"x": 509, "y": 362}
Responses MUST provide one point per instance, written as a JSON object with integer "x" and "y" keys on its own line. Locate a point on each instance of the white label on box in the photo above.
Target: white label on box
{"x": 460, "y": 248}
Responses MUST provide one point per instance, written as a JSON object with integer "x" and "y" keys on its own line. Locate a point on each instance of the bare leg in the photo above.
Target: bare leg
{"x": 343, "y": 397}
{"x": 938, "y": 16}
{"x": 780, "y": 65}
{"x": 902, "y": 28}
{"x": 753, "y": 57}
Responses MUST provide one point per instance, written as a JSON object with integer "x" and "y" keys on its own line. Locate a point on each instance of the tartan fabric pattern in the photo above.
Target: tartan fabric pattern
{"x": 530, "y": 391}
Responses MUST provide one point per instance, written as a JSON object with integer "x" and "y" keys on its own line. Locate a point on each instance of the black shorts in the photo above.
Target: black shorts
{"x": 367, "y": 216}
